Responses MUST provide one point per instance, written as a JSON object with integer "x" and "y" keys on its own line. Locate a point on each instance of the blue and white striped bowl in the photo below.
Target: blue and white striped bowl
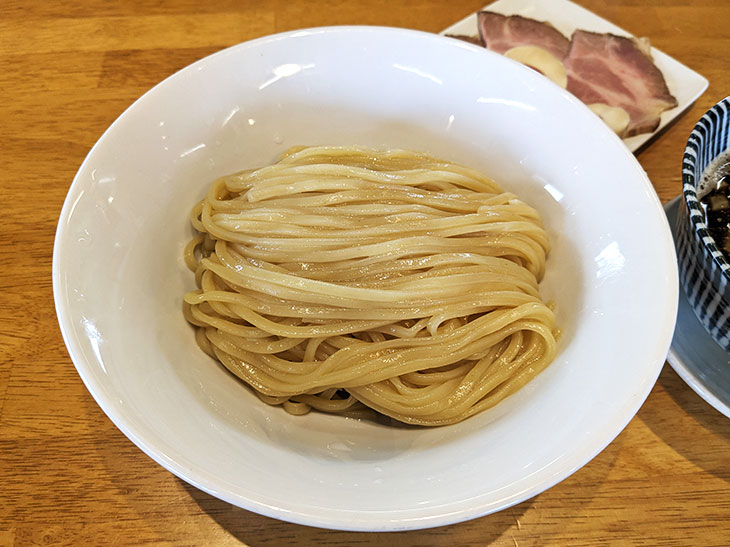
{"x": 704, "y": 271}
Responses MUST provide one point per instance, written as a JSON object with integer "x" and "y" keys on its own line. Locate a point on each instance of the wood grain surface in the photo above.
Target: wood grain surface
{"x": 68, "y": 476}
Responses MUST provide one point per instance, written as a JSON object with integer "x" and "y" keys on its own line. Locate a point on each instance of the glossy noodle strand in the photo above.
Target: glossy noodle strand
{"x": 341, "y": 279}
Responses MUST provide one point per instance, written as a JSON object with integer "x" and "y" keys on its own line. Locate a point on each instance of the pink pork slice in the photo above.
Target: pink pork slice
{"x": 610, "y": 69}
{"x": 501, "y": 33}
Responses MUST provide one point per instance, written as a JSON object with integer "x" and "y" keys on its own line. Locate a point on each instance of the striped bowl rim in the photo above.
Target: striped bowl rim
{"x": 700, "y": 149}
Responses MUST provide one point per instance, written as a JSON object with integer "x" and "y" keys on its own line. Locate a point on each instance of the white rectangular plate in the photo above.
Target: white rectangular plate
{"x": 684, "y": 83}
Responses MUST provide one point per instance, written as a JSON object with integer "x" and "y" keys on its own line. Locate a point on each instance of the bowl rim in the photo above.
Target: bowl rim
{"x": 689, "y": 182}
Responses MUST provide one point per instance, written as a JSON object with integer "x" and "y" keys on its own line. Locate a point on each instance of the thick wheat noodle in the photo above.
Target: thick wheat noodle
{"x": 344, "y": 278}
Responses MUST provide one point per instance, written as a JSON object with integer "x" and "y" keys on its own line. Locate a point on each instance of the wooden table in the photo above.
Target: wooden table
{"x": 68, "y": 476}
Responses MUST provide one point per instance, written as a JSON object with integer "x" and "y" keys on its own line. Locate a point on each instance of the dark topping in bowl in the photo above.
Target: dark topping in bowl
{"x": 716, "y": 204}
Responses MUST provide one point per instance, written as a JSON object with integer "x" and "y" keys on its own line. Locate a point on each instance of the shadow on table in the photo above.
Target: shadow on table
{"x": 249, "y": 528}
{"x": 688, "y": 424}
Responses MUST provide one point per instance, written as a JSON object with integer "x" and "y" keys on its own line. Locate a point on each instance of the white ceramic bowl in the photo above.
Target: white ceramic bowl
{"x": 119, "y": 277}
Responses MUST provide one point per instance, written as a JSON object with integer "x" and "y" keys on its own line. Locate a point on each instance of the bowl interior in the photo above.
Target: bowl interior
{"x": 119, "y": 275}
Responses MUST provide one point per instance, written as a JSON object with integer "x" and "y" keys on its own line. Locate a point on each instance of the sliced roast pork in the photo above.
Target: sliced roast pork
{"x": 619, "y": 72}
{"x": 615, "y": 76}
{"x": 533, "y": 43}
{"x": 501, "y": 33}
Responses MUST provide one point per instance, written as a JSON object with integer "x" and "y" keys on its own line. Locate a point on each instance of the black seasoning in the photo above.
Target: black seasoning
{"x": 716, "y": 204}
